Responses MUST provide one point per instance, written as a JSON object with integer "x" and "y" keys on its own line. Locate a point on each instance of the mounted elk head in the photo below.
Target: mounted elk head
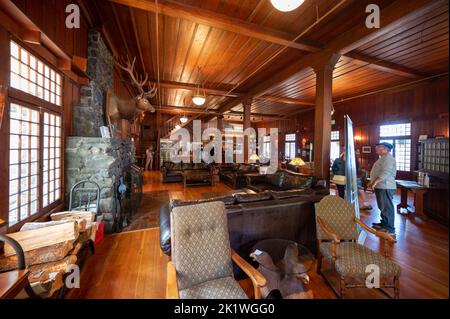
{"x": 130, "y": 109}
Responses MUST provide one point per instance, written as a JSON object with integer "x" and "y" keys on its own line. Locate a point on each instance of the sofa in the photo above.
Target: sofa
{"x": 253, "y": 217}
{"x": 234, "y": 175}
{"x": 173, "y": 172}
{"x": 282, "y": 180}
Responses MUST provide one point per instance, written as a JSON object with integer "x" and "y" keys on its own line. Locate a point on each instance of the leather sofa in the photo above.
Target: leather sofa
{"x": 173, "y": 172}
{"x": 234, "y": 174}
{"x": 253, "y": 217}
{"x": 281, "y": 180}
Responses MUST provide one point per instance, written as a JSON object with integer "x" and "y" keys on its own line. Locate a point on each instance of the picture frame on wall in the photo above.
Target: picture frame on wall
{"x": 366, "y": 149}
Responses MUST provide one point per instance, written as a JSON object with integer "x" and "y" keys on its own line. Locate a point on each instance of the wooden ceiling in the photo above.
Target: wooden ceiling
{"x": 231, "y": 46}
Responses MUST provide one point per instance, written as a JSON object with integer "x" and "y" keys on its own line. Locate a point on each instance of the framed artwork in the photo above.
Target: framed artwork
{"x": 367, "y": 149}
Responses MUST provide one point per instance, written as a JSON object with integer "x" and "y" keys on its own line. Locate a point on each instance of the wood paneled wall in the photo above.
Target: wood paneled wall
{"x": 50, "y": 17}
{"x": 424, "y": 105}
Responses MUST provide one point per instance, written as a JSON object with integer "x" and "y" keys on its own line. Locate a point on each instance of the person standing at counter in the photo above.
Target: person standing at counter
{"x": 382, "y": 178}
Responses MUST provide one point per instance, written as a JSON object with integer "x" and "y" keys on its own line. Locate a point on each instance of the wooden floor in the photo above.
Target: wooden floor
{"x": 131, "y": 265}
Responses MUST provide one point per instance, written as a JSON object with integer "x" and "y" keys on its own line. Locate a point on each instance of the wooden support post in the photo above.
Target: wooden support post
{"x": 322, "y": 116}
{"x": 247, "y": 106}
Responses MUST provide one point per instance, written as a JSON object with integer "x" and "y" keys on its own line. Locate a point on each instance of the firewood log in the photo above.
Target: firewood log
{"x": 89, "y": 217}
{"x": 38, "y": 256}
{"x": 47, "y": 288}
{"x": 60, "y": 265}
{"x": 43, "y": 237}
{"x": 32, "y": 226}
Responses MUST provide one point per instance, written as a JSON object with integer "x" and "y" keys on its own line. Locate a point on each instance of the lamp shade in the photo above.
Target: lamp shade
{"x": 286, "y": 5}
{"x": 254, "y": 157}
{"x": 184, "y": 120}
{"x": 297, "y": 162}
{"x": 199, "y": 100}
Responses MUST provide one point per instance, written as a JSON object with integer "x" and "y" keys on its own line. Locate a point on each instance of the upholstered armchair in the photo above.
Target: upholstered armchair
{"x": 201, "y": 265}
{"x": 337, "y": 234}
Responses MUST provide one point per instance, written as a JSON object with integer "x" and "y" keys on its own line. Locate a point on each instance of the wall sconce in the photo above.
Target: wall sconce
{"x": 3, "y": 94}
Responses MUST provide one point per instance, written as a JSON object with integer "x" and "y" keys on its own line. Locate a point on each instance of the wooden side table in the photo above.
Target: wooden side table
{"x": 419, "y": 192}
{"x": 12, "y": 283}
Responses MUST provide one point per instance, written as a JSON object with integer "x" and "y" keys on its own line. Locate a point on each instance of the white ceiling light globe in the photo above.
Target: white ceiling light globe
{"x": 286, "y": 5}
{"x": 184, "y": 120}
{"x": 199, "y": 100}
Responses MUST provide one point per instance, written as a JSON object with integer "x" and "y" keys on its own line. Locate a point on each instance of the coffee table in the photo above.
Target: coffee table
{"x": 197, "y": 177}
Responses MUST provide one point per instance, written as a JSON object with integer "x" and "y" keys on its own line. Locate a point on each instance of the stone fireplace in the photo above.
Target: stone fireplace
{"x": 88, "y": 155}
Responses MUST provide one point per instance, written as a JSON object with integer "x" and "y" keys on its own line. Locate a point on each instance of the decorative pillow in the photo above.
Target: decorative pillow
{"x": 249, "y": 198}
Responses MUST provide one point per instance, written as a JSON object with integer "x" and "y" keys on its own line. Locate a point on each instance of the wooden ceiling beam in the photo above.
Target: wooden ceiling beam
{"x": 227, "y": 23}
{"x": 394, "y": 16}
{"x": 226, "y": 92}
{"x": 220, "y": 21}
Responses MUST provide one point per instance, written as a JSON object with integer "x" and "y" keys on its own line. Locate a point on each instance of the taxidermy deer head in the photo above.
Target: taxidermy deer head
{"x": 130, "y": 109}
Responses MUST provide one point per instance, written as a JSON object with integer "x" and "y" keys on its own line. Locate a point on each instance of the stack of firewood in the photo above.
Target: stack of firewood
{"x": 50, "y": 248}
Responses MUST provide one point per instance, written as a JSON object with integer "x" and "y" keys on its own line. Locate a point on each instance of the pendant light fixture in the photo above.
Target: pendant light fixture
{"x": 198, "y": 98}
{"x": 184, "y": 119}
{"x": 286, "y": 5}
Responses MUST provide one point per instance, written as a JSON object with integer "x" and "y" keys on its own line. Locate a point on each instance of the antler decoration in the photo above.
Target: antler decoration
{"x": 138, "y": 80}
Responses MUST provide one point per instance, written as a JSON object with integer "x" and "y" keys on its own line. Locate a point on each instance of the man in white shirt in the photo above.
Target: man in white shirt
{"x": 150, "y": 155}
{"x": 382, "y": 177}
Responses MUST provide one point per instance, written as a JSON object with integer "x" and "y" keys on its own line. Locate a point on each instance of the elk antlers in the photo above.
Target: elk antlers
{"x": 137, "y": 80}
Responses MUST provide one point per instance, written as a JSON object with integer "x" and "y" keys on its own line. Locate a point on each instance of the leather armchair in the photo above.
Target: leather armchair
{"x": 235, "y": 176}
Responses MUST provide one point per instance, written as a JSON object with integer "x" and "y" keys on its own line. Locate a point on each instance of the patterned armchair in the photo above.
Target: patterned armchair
{"x": 337, "y": 234}
{"x": 201, "y": 265}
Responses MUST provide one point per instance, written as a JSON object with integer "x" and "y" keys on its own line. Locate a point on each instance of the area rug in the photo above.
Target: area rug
{"x": 147, "y": 215}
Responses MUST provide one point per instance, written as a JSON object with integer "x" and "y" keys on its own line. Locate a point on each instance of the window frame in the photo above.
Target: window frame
{"x": 286, "y": 147}
{"x": 396, "y": 138}
{"x": 22, "y": 98}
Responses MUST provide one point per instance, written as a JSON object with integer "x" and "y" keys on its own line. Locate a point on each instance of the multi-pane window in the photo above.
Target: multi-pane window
{"x": 51, "y": 187}
{"x": 266, "y": 146}
{"x": 32, "y": 76}
{"x": 399, "y": 135}
{"x": 23, "y": 163}
{"x": 290, "y": 146}
{"x": 335, "y": 145}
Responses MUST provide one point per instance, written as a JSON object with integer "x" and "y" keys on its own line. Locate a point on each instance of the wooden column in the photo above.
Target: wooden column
{"x": 247, "y": 106}
{"x": 322, "y": 116}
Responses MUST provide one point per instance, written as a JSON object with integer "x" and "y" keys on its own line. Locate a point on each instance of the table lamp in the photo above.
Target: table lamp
{"x": 254, "y": 158}
{"x": 297, "y": 162}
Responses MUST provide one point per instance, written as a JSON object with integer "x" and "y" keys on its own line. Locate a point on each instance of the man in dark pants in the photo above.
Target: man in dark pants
{"x": 382, "y": 177}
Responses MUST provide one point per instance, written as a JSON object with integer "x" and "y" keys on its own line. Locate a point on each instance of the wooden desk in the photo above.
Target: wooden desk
{"x": 12, "y": 283}
{"x": 419, "y": 192}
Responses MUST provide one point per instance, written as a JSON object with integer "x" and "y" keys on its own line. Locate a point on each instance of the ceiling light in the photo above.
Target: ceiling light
{"x": 184, "y": 120}
{"x": 199, "y": 100}
{"x": 286, "y": 5}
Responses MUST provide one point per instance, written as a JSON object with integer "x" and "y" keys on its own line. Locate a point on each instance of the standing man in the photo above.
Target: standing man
{"x": 382, "y": 177}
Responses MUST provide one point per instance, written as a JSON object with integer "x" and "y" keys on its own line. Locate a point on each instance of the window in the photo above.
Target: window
{"x": 35, "y": 137}
{"x": 32, "y": 76}
{"x": 290, "y": 146}
{"x": 23, "y": 163}
{"x": 266, "y": 146}
{"x": 51, "y": 188}
{"x": 335, "y": 145}
{"x": 399, "y": 135}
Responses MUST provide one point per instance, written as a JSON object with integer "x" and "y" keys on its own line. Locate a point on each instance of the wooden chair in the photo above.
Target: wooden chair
{"x": 201, "y": 265}
{"x": 337, "y": 234}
